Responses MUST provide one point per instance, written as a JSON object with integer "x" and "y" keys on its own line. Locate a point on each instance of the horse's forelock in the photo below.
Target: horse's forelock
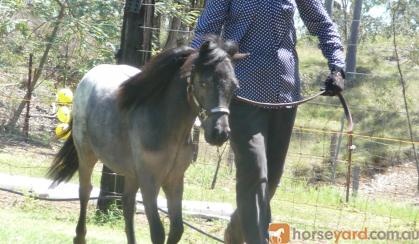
{"x": 212, "y": 55}
{"x": 216, "y": 49}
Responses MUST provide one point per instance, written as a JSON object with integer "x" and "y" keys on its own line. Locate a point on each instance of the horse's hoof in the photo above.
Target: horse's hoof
{"x": 79, "y": 240}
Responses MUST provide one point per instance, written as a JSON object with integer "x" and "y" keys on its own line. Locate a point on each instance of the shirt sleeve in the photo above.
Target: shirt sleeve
{"x": 319, "y": 24}
{"x": 211, "y": 20}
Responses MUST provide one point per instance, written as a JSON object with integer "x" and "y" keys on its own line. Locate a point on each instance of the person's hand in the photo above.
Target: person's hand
{"x": 334, "y": 83}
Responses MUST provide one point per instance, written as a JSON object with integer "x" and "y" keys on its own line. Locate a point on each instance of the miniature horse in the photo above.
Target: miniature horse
{"x": 138, "y": 124}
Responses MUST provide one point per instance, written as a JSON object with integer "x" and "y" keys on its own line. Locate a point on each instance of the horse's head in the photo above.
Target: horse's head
{"x": 211, "y": 84}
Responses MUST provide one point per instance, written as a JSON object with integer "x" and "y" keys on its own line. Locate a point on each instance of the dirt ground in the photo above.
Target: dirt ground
{"x": 397, "y": 182}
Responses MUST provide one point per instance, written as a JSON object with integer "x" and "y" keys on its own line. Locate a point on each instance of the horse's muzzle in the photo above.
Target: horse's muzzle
{"x": 218, "y": 131}
{"x": 220, "y": 136}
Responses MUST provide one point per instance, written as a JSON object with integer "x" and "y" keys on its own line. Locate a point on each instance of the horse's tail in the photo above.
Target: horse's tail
{"x": 66, "y": 162}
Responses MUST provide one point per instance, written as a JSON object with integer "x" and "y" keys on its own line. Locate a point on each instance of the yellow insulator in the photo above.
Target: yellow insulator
{"x": 64, "y": 114}
{"x": 62, "y": 132}
{"x": 64, "y": 96}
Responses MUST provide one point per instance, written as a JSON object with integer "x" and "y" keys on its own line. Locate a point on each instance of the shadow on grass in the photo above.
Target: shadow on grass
{"x": 15, "y": 137}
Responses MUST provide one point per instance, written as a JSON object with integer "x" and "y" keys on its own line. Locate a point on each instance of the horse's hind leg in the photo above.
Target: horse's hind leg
{"x": 128, "y": 200}
{"x": 173, "y": 188}
{"x": 149, "y": 191}
{"x": 86, "y": 164}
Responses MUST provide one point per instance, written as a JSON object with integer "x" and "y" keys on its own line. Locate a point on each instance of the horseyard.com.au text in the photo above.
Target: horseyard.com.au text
{"x": 283, "y": 233}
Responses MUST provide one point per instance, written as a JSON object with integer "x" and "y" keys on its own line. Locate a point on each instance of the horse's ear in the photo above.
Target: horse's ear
{"x": 188, "y": 65}
{"x": 231, "y": 48}
{"x": 239, "y": 56}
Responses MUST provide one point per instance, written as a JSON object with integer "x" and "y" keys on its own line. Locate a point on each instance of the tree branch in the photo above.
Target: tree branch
{"x": 403, "y": 85}
{"x": 37, "y": 74}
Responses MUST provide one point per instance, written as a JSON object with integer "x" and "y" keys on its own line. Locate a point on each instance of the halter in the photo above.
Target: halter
{"x": 203, "y": 113}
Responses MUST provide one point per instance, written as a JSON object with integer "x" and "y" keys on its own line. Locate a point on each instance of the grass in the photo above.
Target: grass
{"x": 32, "y": 221}
{"x": 296, "y": 201}
{"x": 304, "y": 206}
{"x": 25, "y": 227}
{"x": 375, "y": 100}
{"x": 301, "y": 205}
{"x": 33, "y": 161}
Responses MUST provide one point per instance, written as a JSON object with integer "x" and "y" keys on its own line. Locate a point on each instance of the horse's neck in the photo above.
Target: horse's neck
{"x": 176, "y": 98}
{"x": 177, "y": 116}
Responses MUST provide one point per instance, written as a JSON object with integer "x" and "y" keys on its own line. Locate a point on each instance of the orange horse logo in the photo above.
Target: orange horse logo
{"x": 279, "y": 233}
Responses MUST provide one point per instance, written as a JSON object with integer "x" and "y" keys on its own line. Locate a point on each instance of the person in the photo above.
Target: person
{"x": 260, "y": 135}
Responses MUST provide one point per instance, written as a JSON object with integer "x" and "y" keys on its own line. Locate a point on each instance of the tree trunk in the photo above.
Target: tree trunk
{"x": 329, "y": 7}
{"x": 146, "y": 33}
{"x": 345, "y": 20}
{"x": 13, "y": 121}
{"x": 156, "y": 28}
{"x": 353, "y": 42}
{"x": 171, "y": 41}
{"x": 136, "y": 37}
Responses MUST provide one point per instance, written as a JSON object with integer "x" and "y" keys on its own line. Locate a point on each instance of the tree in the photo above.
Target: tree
{"x": 49, "y": 40}
{"x": 62, "y": 33}
{"x": 353, "y": 41}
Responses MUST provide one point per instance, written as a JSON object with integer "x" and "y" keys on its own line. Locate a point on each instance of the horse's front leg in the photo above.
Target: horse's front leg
{"x": 149, "y": 191}
{"x": 128, "y": 201}
{"x": 173, "y": 188}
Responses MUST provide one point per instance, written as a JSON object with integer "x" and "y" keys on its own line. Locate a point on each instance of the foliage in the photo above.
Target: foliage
{"x": 113, "y": 216}
{"x": 179, "y": 9}
{"x": 88, "y": 35}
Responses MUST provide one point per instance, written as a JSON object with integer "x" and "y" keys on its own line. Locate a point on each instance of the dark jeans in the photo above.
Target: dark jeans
{"x": 260, "y": 139}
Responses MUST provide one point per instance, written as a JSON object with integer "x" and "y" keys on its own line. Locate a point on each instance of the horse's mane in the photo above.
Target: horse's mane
{"x": 153, "y": 78}
{"x": 161, "y": 69}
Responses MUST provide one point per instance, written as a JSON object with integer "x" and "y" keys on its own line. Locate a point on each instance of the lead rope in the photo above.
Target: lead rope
{"x": 220, "y": 157}
{"x": 279, "y": 105}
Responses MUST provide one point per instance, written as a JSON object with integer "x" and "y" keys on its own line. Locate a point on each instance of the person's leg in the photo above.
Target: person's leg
{"x": 249, "y": 126}
{"x": 280, "y": 129}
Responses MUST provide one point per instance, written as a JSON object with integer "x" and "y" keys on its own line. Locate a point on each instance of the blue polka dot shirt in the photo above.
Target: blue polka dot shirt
{"x": 265, "y": 29}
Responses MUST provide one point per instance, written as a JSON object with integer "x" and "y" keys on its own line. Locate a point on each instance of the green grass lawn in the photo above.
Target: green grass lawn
{"x": 24, "y": 220}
